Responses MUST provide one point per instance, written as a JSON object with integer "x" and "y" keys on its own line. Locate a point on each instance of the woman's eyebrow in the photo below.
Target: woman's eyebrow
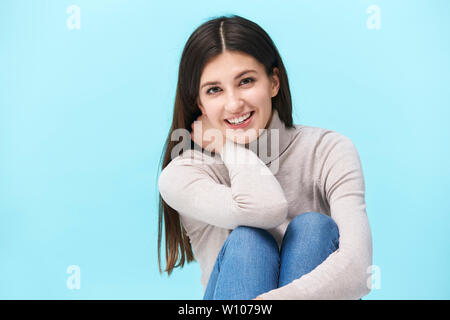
{"x": 218, "y": 82}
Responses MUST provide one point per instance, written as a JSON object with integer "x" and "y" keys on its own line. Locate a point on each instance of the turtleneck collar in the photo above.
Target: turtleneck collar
{"x": 273, "y": 141}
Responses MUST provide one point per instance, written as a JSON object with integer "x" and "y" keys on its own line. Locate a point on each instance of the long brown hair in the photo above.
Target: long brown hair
{"x": 210, "y": 39}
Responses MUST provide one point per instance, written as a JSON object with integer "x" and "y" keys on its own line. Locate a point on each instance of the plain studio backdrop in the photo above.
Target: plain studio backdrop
{"x": 86, "y": 98}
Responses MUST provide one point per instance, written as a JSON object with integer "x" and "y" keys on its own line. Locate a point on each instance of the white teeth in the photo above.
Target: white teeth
{"x": 240, "y": 119}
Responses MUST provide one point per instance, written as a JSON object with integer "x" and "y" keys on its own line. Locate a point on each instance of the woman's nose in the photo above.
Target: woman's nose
{"x": 234, "y": 103}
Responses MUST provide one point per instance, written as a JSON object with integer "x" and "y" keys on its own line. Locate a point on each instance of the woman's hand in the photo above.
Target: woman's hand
{"x": 206, "y": 136}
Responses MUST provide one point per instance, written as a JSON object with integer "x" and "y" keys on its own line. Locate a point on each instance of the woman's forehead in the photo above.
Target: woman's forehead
{"x": 230, "y": 65}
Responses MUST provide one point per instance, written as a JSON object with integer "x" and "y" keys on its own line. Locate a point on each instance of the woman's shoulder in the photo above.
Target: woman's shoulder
{"x": 320, "y": 136}
{"x": 194, "y": 157}
{"x": 191, "y": 162}
{"x": 189, "y": 166}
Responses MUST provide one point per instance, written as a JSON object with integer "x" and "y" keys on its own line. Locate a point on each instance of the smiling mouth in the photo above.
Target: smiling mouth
{"x": 250, "y": 114}
{"x": 243, "y": 124}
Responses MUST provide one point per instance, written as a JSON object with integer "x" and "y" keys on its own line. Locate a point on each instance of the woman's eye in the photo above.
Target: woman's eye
{"x": 209, "y": 90}
{"x": 251, "y": 79}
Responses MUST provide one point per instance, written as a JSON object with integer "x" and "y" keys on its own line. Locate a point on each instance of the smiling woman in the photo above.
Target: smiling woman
{"x": 240, "y": 96}
{"x": 222, "y": 77}
{"x": 256, "y": 231}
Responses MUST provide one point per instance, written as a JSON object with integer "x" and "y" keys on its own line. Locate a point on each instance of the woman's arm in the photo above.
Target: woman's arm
{"x": 255, "y": 197}
{"x": 344, "y": 274}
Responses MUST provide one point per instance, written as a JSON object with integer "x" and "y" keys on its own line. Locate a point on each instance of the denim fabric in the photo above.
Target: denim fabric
{"x": 250, "y": 263}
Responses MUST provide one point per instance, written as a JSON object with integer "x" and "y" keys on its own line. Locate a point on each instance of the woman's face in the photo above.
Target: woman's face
{"x": 227, "y": 93}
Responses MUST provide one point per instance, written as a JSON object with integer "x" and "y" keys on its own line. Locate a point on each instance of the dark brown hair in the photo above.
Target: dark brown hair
{"x": 210, "y": 39}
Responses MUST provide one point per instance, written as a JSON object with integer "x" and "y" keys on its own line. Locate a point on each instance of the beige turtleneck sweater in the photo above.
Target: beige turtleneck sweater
{"x": 309, "y": 169}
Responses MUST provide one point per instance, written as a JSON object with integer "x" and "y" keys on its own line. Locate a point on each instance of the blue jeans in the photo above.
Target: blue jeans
{"x": 250, "y": 263}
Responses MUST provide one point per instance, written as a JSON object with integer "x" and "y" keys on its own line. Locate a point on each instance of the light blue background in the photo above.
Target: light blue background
{"x": 84, "y": 114}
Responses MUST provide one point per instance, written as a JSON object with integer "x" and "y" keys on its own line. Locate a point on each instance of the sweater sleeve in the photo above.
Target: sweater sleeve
{"x": 345, "y": 273}
{"x": 255, "y": 197}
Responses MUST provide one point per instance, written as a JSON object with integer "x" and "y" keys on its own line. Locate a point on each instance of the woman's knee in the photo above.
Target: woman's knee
{"x": 314, "y": 222}
{"x": 248, "y": 240}
{"x": 309, "y": 239}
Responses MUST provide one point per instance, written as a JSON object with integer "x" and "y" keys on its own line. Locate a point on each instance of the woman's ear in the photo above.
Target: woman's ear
{"x": 275, "y": 82}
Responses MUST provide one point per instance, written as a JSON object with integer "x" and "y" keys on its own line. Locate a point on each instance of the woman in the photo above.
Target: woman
{"x": 286, "y": 224}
